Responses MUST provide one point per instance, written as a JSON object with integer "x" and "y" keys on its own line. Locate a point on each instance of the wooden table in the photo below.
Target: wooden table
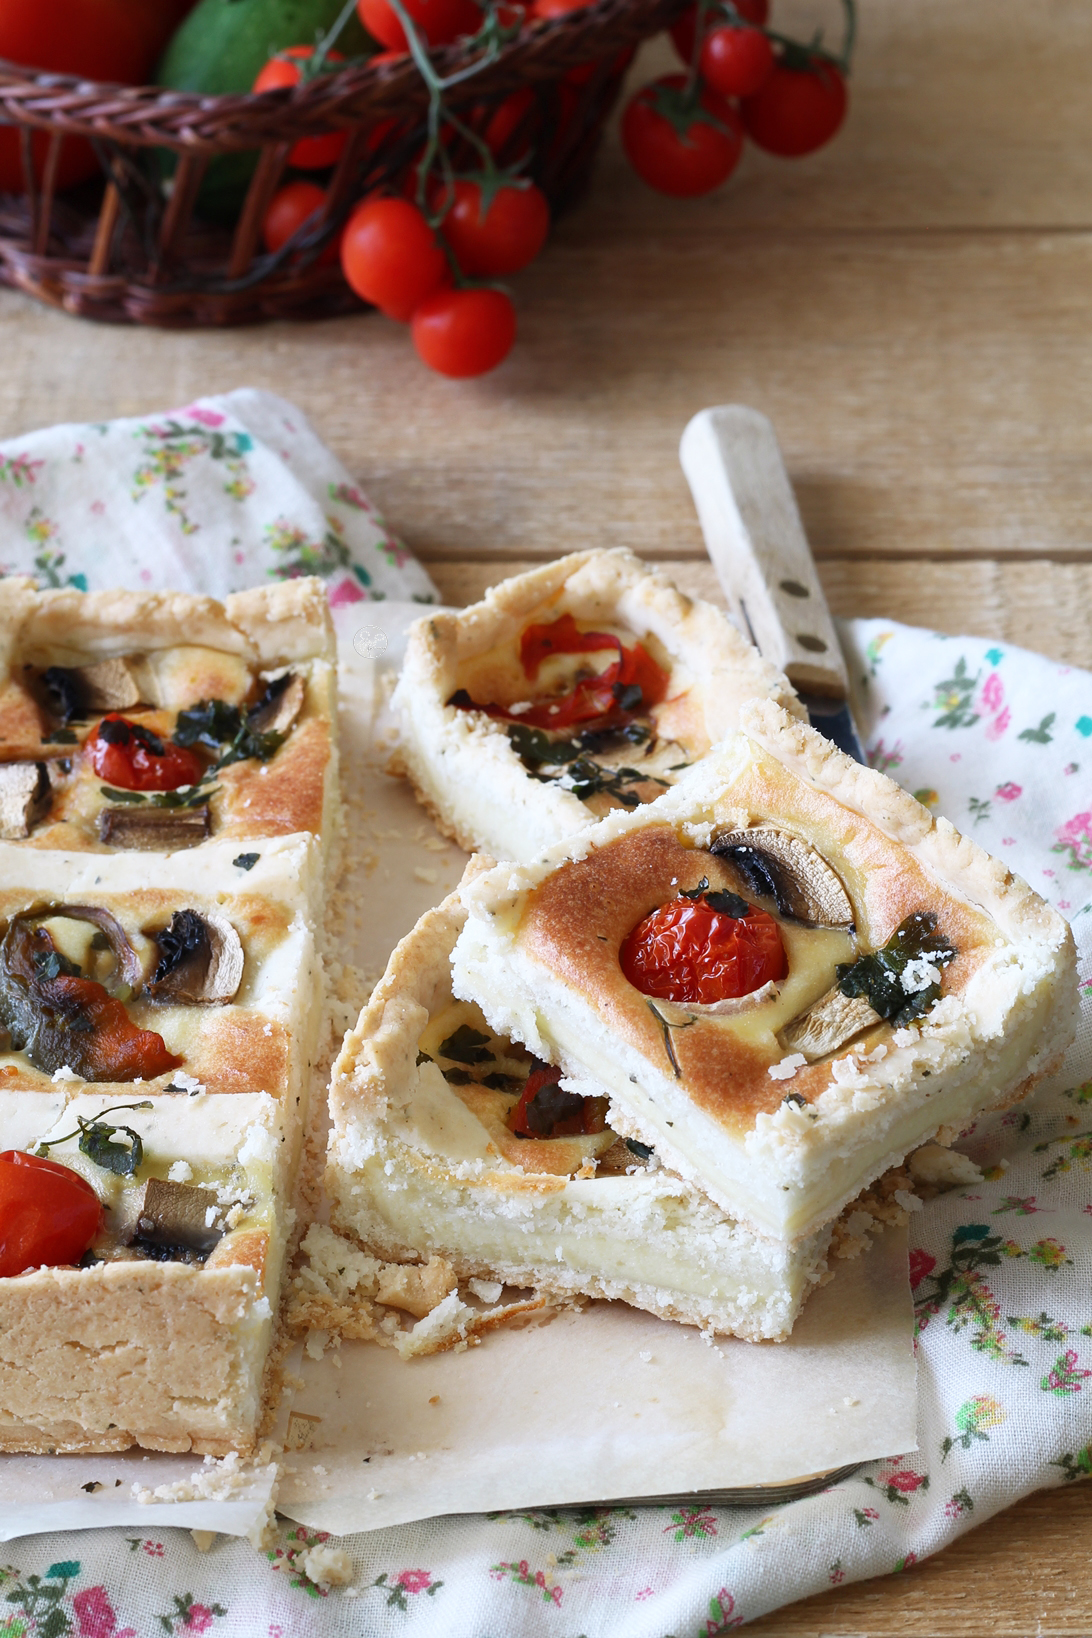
{"x": 913, "y": 308}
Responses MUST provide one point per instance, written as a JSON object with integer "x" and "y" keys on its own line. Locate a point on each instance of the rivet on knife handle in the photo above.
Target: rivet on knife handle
{"x": 755, "y": 538}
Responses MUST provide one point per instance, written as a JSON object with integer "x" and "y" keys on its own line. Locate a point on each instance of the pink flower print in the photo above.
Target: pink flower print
{"x": 905, "y": 1482}
{"x": 146, "y": 575}
{"x": 206, "y": 418}
{"x": 413, "y": 1581}
{"x": 1008, "y": 841}
{"x": 1064, "y": 904}
{"x": 1008, "y": 792}
{"x": 993, "y": 692}
{"x": 1075, "y": 838}
{"x": 721, "y": 1617}
{"x": 98, "y": 507}
{"x": 870, "y": 1512}
{"x": 95, "y": 1615}
{"x": 996, "y": 728}
{"x": 921, "y": 1265}
{"x": 645, "y": 1592}
{"x": 198, "y": 1618}
{"x": 346, "y": 591}
{"x": 956, "y": 756}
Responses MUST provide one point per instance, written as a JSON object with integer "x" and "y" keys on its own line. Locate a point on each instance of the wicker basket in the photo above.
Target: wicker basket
{"x": 126, "y": 250}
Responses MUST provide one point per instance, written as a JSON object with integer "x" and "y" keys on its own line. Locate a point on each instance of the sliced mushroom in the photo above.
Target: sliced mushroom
{"x": 200, "y": 959}
{"x": 165, "y": 1214}
{"x": 72, "y": 693}
{"x": 279, "y": 706}
{"x": 127, "y": 959}
{"x": 828, "y": 1024}
{"x": 24, "y": 798}
{"x": 155, "y": 830}
{"x": 791, "y": 872}
{"x": 112, "y": 685}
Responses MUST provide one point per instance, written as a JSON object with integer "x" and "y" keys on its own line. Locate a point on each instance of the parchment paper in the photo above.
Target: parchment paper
{"x": 561, "y": 1412}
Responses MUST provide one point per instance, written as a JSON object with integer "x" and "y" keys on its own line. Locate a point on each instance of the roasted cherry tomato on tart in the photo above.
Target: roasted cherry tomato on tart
{"x": 546, "y": 1110}
{"x": 130, "y": 757}
{"x": 701, "y": 950}
{"x": 49, "y": 1215}
{"x": 62, "y": 1020}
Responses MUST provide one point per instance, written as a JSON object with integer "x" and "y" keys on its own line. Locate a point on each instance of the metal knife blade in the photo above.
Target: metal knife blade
{"x": 755, "y": 539}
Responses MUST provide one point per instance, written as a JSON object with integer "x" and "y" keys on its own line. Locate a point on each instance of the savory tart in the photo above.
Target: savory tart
{"x": 141, "y": 1252}
{"x": 784, "y": 974}
{"x": 582, "y": 687}
{"x": 207, "y": 978}
{"x": 153, "y": 721}
{"x": 449, "y": 1140}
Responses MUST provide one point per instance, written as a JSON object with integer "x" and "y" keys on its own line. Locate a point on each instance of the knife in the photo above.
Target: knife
{"x": 754, "y": 536}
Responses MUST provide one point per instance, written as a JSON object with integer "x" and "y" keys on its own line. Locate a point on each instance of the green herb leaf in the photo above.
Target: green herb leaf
{"x": 878, "y": 976}
{"x": 467, "y": 1046}
{"x": 61, "y": 736}
{"x": 246, "y": 861}
{"x": 112, "y": 795}
{"x": 96, "y": 1141}
{"x": 51, "y": 964}
{"x": 212, "y": 723}
{"x": 729, "y": 904}
{"x": 194, "y": 797}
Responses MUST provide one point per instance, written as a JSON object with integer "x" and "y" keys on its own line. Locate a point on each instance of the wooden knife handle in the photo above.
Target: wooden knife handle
{"x": 755, "y": 538}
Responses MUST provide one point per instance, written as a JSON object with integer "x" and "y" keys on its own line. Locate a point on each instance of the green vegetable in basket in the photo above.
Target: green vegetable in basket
{"x": 221, "y": 47}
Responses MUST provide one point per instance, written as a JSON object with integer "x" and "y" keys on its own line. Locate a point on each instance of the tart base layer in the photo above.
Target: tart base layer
{"x": 412, "y": 1173}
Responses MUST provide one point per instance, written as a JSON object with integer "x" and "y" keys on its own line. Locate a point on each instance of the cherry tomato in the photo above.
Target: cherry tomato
{"x": 131, "y": 758}
{"x": 557, "y": 8}
{"x": 114, "y": 40}
{"x": 313, "y": 153}
{"x": 516, "y": 113}
{"x": 682, "y": 31}
{"x": 438, "y": 21}
{"x": 545, "y": 1110}
{"x": 737, "y": 62}
{"x": 289, "y": 209}
{"x": 508, "y": 236}
{"x": 797, "y": 109}
{"x": 49, "y": 1214}
{"x": 687, "y": 951}
{"x": 390, "y": 256}
{"x": 681, "y": 163}
{"x": 464, "y": 332}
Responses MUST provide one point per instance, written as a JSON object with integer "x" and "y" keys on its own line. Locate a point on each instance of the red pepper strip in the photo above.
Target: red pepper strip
{"x": 49, "y": 1214}
{"x": 544, "y": 1110}
{"x": 688, "y": 952}
{"x": 130, "y": 757}
{"x": 593, "y": 698}
{"x": 113, "y": 1048}
{"x": 560, "y": 637}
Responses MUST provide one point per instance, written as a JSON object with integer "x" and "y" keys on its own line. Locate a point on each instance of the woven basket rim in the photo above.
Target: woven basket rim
{"x": 194, "y": 122}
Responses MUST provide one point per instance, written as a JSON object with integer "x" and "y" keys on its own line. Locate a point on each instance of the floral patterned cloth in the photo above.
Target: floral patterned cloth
{"x": 225, "y": 493}
{"x": 1001, "y": 741}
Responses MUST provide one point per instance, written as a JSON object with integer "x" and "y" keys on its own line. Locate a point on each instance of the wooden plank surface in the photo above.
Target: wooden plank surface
{"x": 912, "y": 307}
{"x": 1040, "y": 605}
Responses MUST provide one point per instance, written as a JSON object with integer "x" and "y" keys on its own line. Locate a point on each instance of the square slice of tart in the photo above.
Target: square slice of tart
{"x": 153, "y": 721}
{"x": 784, "y": 973}
{"x": 449, "y": 1140}
{"x": 197, "y": 969}
{"x": 582, "y": 687}
{"x": 142, "y": 1244}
